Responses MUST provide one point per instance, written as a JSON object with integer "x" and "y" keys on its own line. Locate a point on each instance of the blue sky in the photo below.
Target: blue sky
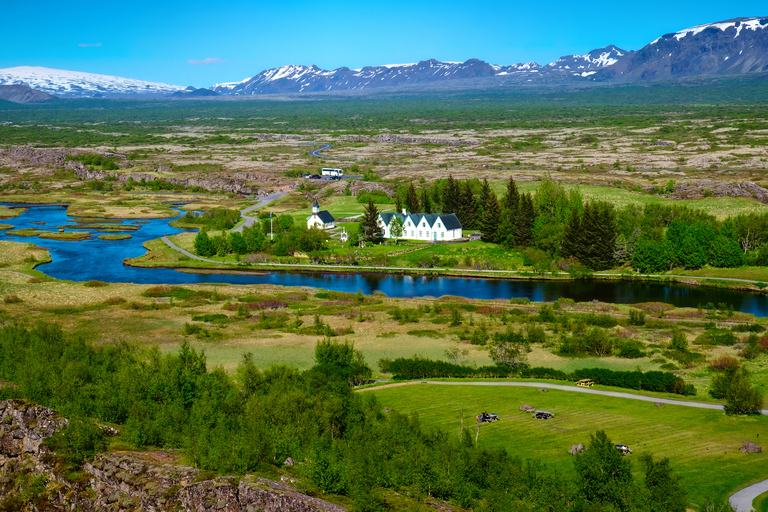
{"x": 202, "y": 42}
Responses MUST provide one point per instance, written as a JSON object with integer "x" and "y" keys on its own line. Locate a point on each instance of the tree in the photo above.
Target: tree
{"x": 398, "y": 203}
{"x": 467, "y": 211}
{"x": 451, "y": 196}
{"x": 490, "y": 219}
{"x": 572, "y": 239}
{"x": 663, "y": 492}
{"x": 203, "y": 245}
{"x": 525, "y": 220}
{"x": 726, "y": 253}
{"x": 505, "y": 235}
{"x": 604, "y": 476}
{"x": 396, "y": 228}
{"x": 741, "y": 397}
{"x": 426, "y": 202}
{"x": 237, "y": 243}
{"x": 412, "y": 200}
{"x": 652, "y": 256}
{"x": 508, "y": 349}
{"x": 370, "y": 230}
{"x": 485, "y": 193}
{"x": 254, "y": 239}
{"x": 512, "y": 198}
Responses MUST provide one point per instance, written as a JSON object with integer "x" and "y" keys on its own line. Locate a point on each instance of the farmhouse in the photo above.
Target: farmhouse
{"x": 320, "y": 219}
{"x": 433, "y": 227}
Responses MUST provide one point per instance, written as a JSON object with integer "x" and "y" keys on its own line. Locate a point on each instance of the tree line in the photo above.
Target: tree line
{"x": 347, "y": 443}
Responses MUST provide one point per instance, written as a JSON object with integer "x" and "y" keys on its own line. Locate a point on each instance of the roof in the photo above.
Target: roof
{"x": 325, "y": 216}
{"x": 449, "y": 220}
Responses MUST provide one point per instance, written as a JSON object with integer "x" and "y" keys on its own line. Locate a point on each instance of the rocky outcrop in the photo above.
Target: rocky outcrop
{"x": 697, "y": 189}
{"x": 23, "y": 94}
{"x": 128, "y": 481}
{"x": 216, "y": 184}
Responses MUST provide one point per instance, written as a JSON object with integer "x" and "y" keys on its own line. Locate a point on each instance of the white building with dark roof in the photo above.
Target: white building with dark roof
{"x": 428, "y": 227}
{"x": 320, "y": 219}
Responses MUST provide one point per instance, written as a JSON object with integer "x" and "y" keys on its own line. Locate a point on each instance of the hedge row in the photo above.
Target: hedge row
{"x": 422, "y": 368}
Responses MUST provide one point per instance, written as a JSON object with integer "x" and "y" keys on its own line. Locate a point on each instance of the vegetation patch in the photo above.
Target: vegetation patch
{"x": 114, "y": 237}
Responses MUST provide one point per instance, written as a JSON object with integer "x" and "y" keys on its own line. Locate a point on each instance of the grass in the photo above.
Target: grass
{"x": 69, "y": 236}
{"x": 760, "y": 504}
{"x": 114, "y": 237}
{"x": 7, "y": 213}
{"x": 703, "y": 445}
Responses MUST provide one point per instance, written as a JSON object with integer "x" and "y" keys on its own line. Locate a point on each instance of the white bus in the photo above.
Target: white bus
{"x": 328, "y": 171}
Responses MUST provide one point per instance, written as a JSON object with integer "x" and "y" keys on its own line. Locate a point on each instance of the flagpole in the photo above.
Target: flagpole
{"x": 271, "y": 231}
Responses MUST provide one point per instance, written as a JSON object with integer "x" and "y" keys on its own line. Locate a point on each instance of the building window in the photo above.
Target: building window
{"x": 411, "y": 232}
{"x": 443, "y": 234}
{"x": 419, "y": 233}
{"x": 427, "y": 234}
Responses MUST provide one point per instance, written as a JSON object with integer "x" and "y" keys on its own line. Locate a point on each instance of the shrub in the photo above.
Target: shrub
{"x": 723, "y": 363}
{"x": 636, "y": 317}
{"x": 177, "y": 292}
{"x": 79, "y": 440}
{"x": 631, "y": 349}
{"x": 211, "y": 317}
{"x": 12, "y": 299}
{"x": 756, "y": 328}
{"x": 113, "y": 301}
{"x": 717, "y": 336}
{"x": 95, "y": 284}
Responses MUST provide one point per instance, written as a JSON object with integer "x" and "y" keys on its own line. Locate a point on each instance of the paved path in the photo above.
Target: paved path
{"x": 575, "y": 389}
{"x": 742, "y": 500}
{"x": 263, "y": 201}
{"x": 187, "y": 253}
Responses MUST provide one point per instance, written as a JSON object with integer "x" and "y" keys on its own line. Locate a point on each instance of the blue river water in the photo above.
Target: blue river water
{"x": 103, "y": 260}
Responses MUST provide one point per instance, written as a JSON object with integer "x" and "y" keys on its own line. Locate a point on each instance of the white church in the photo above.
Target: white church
{"x": 320, "y": 219}
{"x": 427, "y": 227}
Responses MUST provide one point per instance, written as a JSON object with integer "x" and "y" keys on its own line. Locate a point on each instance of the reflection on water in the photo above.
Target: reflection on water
{"x": 102, "y": 260}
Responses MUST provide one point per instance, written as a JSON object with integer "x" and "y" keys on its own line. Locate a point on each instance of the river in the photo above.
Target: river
{"x": 102, "y": 260}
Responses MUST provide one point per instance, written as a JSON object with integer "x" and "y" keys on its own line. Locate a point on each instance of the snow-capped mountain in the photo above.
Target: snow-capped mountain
{"x": 727, "y": 47}
{"x": 74, "y": 84}
{"x": 298, "y": 79}
{"x": 600, "y": 58}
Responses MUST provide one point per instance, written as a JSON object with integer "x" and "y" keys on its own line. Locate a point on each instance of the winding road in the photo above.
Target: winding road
{"x": 250, "y": 221}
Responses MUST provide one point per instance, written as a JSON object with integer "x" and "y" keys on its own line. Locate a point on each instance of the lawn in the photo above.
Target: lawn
{"x": 703, "y": 445}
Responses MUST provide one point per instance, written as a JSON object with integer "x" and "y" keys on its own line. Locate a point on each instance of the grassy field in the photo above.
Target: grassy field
{"x": 703, "y": 445}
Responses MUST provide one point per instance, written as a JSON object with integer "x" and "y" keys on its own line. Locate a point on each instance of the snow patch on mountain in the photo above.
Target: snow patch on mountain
{"x": 75, "y": 84}
{"x": 739, "y": 24}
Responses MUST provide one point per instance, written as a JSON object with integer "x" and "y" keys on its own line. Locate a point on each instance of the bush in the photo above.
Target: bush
{"x": 113, "y": 301}
{"x": 722, "y": 337}
{"x": 80, "y": 440}
{"x": 756, "y": 328}
{"x": 631, "y": 349}
{"x": 636, "y": 317}
{"x": 177, "y": 292}
{"x": 213, "y": 317}
{"x": 96, "y": 284}
{"x": 12, "y": 299}
{"x": 723, "y": 363}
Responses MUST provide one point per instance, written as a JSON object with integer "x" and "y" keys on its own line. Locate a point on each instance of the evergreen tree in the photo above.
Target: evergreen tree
{"x": 490, "y": 219}
{"x": 596, "y": 244}
{"x": 506, "y": 233}
{"x": 412, "y": 200}
{"x": 525, "y": 220}
{"x": 398, "y": 203}
{"x": 426, "y": 202}
{"x": 512, "y": 197}
{"x": 370, "y": 230}
{"x": 572, "y": 239}
{"x": 485, "y": 193}
{"x": 203, "y": 245}
{"x": 237, "y": 243}
{"x": 451, "y": 196}
{"x": 467, "y": 210}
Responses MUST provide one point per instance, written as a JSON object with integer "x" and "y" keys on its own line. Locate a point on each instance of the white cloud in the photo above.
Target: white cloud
{"x": 205, "y": 62}
{"x": 89, "y": 45}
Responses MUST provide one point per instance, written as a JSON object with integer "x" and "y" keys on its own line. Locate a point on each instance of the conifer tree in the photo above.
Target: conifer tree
{"x": 485, "y": 193}
{"x": 525, "y": 219}
{"x": 426, "y": 202}
{"x": 398, "y": 203}
{"x": 412, "y": 200}
{"x": 467, "y": 208}
{"x": 512, "y": 197}
{"x": 572, "y": 239}
{"x": 451, "y": 196}
{"x": 506, "y": 233}
{"x": 490, "y": 219}
{"x": 370, "y": 231}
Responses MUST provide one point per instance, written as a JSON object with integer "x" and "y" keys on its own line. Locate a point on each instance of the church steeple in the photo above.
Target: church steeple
{"x": 315, "y": 207}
